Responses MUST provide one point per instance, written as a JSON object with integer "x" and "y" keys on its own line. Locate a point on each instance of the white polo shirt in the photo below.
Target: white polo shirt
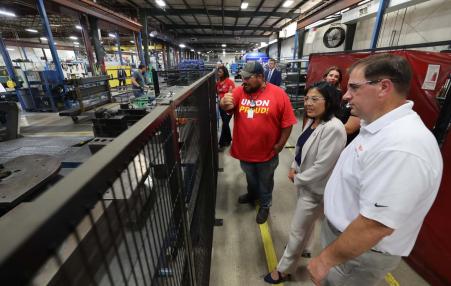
{"x": 390, "y": 173}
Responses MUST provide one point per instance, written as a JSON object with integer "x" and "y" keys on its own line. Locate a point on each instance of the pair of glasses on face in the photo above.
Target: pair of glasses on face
{"x": 313, "y": 99}
{"x": 353, "y": 87}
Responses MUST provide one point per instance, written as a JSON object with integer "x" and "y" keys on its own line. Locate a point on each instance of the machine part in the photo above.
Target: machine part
{"x": 26, "y": 175}
{"x": 9, "y": 120}
{"x": 334, "y": 37}
{"x": 98, "y": 143}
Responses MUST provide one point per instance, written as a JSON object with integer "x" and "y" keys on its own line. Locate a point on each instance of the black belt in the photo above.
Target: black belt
{"x": 337, "y": 233}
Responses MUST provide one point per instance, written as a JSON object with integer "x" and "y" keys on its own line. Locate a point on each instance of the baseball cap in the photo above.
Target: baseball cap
{"x": 251, "y": 68}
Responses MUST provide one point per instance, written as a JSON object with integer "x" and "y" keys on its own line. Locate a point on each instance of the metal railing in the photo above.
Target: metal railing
{"x": 138, "y": 212}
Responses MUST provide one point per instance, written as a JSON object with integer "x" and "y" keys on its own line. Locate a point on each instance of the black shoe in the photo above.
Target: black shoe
{"x": 246, "y": 199}
{"x": 306, "y": 254}
{"x": 262, "y": 215}
{"x": 268, "y": 278}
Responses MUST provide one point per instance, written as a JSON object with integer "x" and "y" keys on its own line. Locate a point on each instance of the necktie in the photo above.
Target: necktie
{"x": 269, "y": 75}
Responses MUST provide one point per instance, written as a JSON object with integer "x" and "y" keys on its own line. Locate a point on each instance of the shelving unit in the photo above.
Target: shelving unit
{"x": 294, "y": 79}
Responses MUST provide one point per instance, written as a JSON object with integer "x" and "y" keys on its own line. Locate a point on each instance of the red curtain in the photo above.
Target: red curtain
{"x": 431, "y": 256}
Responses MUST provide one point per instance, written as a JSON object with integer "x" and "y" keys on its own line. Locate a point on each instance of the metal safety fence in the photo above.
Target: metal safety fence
{"x": 138, "y": 212}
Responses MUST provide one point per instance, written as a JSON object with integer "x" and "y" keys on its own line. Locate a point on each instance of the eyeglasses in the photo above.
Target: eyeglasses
{"x": 248, "y": 77}
{"x": 353, "y": 87}
{"x": 313, "y": 99}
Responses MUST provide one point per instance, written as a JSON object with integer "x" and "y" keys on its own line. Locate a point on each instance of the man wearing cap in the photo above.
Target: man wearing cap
{"x": 263, "y": 119}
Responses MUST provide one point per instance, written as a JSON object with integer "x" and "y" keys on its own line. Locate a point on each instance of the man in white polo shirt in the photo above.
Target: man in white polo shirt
{"x": 384, "y": 182}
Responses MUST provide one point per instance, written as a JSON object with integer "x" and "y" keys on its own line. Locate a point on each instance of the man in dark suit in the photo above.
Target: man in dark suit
{"x": 273, "y": 75}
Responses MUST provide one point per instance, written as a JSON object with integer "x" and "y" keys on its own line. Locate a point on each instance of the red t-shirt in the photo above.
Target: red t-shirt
{"x": 224, "y": 87}
{"x": 254, "y": 138}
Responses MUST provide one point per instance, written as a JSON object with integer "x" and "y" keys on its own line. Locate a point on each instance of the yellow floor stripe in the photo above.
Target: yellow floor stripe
{"x": 268, "y": 246}
{"x": 389, "y": 278}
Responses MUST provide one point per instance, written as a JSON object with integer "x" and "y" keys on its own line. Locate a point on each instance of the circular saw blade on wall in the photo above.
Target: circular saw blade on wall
{"x": 334, "y": 37}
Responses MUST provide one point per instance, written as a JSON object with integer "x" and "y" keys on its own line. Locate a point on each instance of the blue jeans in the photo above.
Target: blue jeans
{"x": 138, "y": 92}
{"x": 260, "y": 179}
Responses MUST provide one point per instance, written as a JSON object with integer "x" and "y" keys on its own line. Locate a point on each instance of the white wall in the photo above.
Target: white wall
{"x": 429, "y": 21}
{"x": 273, "y": 51}
{"x": 287, "y": 48}
{"x": 317, "y": 46}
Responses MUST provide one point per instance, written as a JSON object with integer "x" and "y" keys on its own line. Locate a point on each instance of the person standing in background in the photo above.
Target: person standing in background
{"x": 272, "y": 74}
{"x": 138, "y": 81}
{"x": 223, "y": 86}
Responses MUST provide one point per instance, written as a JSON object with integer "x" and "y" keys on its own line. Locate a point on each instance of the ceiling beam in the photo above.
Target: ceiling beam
{"x": 335, "y": 7}
{"x": 256, "y": 11}
{"x": 219, "y": 27}
{"x": 219, "y": 13}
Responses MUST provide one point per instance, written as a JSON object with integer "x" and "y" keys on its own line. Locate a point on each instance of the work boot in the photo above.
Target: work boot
{"x": 262, "y": 215}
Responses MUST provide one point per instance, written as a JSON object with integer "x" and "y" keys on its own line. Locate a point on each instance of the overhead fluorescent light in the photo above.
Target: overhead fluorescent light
{"x": 344, "y": 10}
{"x": 76, "y": 43}
{"x": 9, "y": 49}
{"x": 182, "y": 46}
{"x": 363, "y": 2}
{"x": 287, "y": 3}
{"x": 31, "y": 30}
{"x": 111, "y": 35}
{"x": 192, "y": 50}
{"x": 78, "y": 27}
{"x": 132, "y": 42}
{"x": 152, "y": 35}
{"x": 55, "y": 25}
{"x": 244, "y": 5}
{"x": 7, "y": 13}
{"x": 198, "y": 53}
{"x": 43, "y": 38}
{"x": 73, "y": 38}
{"x": 223, "y": 45}
{"x": 161, "y": 3}
{"x": 272, "y": 42}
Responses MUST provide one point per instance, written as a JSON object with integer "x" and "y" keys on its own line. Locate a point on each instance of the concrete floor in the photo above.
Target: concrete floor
{"x": 238, "y": 256}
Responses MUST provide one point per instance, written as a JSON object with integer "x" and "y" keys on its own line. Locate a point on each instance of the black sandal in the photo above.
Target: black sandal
{"x": 268, "y": 278}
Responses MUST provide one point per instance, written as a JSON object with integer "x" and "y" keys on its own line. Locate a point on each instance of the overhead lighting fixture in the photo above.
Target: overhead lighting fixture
{"x": 182, "y": 46}
{"x": 78, "y": 27}
{"x": 223, "y": 45}
{"x": 287, "y": 3}
{"x": 344, "y": 10}
{"x": 272, "y": 42}
{"x": 152, "y": 35}
{"x": 7, "y": 13}
{"x": 198, "y": 53}
{"x": 55, "y": 25}
{"x": 31, "y": 30}
{"x": 9, "y": 49}
{"x": 192, "y": 50}
{"x": 363, "y": 2}
{"x": 111, "y": 35}
{"x": 243, "y": 51}
{"x": 73, "y": 38}
{"x": 76, "y": 43}
{"x": 244, "y": 5}
{"x": 43, "y": 38}
{"x": 161, "y": 3}
{"x": 132, "y": 42}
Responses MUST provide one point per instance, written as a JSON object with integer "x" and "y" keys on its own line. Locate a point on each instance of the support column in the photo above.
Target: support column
{"x": 139, "y": 44}
{"x": 50, "y": 41}
{"x": 349, "y": 38}
{"x": 11, "y": 72}
{"x": 98, "y": 50}
{"x": 168, "y": 56}
{"x": 301, "y": 41}
{"x": 118, "y": 44}
{"x": 88, "y": 46}
{"x": 295, "y": 50}
{"x": 145, "y": 37}
{"x": 279, "y": 47}
{"x": 378, "y": 24}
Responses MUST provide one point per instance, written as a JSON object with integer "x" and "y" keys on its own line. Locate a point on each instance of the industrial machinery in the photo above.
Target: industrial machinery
{"x": 86, "y": 94}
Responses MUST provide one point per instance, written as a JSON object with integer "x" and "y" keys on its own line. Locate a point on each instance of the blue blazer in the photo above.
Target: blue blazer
{"x": 276, "y": 77}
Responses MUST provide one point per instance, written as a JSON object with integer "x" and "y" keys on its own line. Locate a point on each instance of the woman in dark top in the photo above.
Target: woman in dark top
{"x": 224, "y": 85}
{"x": 317, "y": 150}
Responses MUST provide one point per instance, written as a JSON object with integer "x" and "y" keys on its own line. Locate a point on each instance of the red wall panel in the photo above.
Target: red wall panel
{"x": 431, "y": 256}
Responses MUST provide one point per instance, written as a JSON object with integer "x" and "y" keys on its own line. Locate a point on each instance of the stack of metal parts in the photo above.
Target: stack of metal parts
{"x": 108, "y": 124}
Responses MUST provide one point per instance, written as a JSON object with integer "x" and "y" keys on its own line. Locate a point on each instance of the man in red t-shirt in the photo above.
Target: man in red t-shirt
{"x": 263, "y": 121}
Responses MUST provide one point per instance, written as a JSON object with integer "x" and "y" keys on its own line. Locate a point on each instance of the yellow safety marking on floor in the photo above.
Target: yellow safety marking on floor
{"x": 390, "y": 279}
{"x": 268, "y": 246}
{"x": 65, "y": 133}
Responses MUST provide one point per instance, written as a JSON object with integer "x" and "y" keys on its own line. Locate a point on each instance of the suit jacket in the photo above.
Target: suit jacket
{"x": 276, "y": 77}
{"x": 319, "y": 155}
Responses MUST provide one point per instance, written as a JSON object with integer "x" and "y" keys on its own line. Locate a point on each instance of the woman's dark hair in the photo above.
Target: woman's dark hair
{"x": 337, "y": 69}
{"x": 225, "y": 71}
{"x": 332, "y": 98}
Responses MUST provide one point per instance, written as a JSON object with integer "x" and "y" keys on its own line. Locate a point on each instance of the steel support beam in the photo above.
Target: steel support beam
{"x": 145, "y": 37}
{"x": 87, "y": 43}
{"x": 301, "y": 41}
{"x": 378, "y": 24}
{"x": 219, "y": 13}
{"x": 279, "y": 47}
{"x": 337, "y": 6}
{"x": 118, "y": 44}
{"x": 90, "y": 8}
{"x": 349, "y": 38}
{"x": 219, "y": 28}
{"x": 139, "y": 45}
{"x": 98, "y": 49}
{"x": 48, "y": 33}
{"x": 295, "y": 50}
{"x": 10, "y": 69}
